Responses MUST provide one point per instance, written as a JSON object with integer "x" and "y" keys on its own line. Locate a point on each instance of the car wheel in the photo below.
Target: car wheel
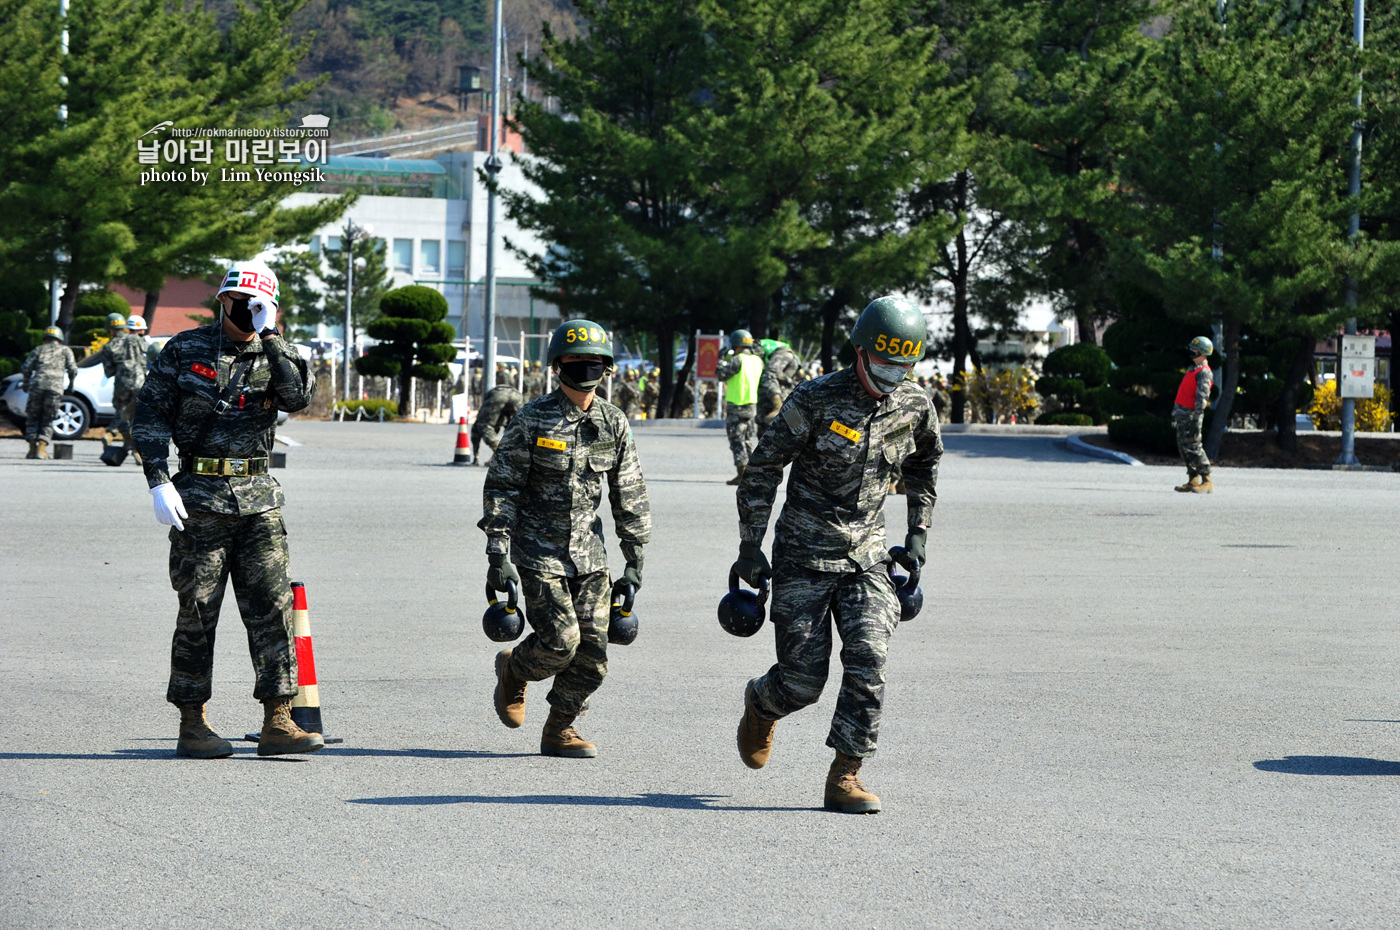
{"x": 74, "y": 417}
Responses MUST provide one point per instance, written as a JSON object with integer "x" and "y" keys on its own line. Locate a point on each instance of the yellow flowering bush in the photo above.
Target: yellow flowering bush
{"x": 1372, "y": 413}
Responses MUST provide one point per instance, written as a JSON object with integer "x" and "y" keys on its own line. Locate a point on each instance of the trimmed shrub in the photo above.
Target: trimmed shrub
{"x": 1064, "y": 419}
{"x": 370, "y": 407}
{"x": 1144, "y": 430}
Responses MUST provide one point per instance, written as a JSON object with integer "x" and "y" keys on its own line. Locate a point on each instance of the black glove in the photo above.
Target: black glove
{"x": 753, "y": 565}
{"x": 915, "y": 545}
{"x": 500, "y": 571}
{"x": 631, "y": 575}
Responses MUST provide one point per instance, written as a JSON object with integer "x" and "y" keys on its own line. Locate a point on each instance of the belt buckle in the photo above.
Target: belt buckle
{"x": 238, "y": 467}
{"x": 201, "y": 467}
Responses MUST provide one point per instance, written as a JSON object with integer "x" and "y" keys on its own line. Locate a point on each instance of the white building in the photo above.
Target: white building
{"x": 434, "y": 233}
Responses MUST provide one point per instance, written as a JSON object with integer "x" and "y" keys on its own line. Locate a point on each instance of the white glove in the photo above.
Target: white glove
{"x": 262, "y": 313}
{"x": 169, "y": 507}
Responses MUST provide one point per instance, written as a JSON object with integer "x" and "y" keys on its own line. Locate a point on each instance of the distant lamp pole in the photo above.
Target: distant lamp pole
{"x": 347, "y": 240}
{"x": 1348, "y": 456}
{"x": 493, "y": 168}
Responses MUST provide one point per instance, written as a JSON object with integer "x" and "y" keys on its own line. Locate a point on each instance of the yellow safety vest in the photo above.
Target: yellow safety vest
{"x": 743, "y": 387}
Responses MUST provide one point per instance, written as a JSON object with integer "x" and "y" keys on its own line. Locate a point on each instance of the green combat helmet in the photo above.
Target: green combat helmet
{"x": 116, "y": 321}
{"x": 580, "y": 337}
{"x": 1201, "y": 346}
{"x": 53, "y": 332}
{"x": 892, "y": 328}
{"x": 740, "y": 339}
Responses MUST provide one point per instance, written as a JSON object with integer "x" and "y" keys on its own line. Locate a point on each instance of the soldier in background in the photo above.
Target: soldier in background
{"x": 216, "y": 391}
{"x": 628, "y": 396}
{"x": 501, "y": 404}
{"x": 941, "y": 399}
{"x": 44, "y": 370}
{"x": 651, "y": 390}
{"x": 534, "y": 381}
{"x": 740, "y": 370}
{"x": 841, "y": 433}
{"x": 123, "y": 359}
{"x": 1188, "y": 413}
{"x": 781, "y": 373}
{"x": 709, "y": 401}
{"x": 475, "y": 388}
{"x": 541, "y": 498}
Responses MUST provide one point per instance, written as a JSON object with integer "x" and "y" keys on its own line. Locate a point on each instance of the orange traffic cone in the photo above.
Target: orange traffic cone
{"x": 306, "y": 706}
{"x": 463, "y": 455}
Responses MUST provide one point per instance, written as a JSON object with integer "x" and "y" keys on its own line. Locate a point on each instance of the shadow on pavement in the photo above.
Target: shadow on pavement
{"x": 1025, "y": 448}
{"x": 693, "y": 802}
{"x": 1328, "y": 765}
{"x": 426, "y": 753}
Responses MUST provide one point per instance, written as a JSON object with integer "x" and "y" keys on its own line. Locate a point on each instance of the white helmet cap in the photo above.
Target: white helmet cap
{"x": 254, "y": 278}
{"x": 134, "y": 322}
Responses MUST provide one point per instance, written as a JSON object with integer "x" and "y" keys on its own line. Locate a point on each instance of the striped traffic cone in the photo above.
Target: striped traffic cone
{"x": 463, "y": 455}
{"x": 306, "y": 706}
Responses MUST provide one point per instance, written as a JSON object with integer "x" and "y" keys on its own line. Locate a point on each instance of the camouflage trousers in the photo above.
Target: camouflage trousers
{"x": 39, "y": 413}
{"x": 1188, "y": 440}
{"x": 569, "y": 639}
{"x": 124, "y": 402}
{"x": 865, "y": 612}
{"x": 739, "y": 424}
{"x": 253, "y": 550}
{"x": 481, "y": 432}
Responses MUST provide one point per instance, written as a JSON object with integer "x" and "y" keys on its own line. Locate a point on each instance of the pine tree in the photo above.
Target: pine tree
{"x": 414, "y": 341}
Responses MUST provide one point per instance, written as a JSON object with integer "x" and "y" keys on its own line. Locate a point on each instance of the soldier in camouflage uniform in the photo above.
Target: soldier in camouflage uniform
{"x": 650, "y": 392}
{"x": 842, "y": 433}
{"x": 541, "y": 499}
{"x": 44, "y": 370}
{"x": 1192, "y": 399}
{"x": 741, "y": 370}
{"x": 781, "y": 367}
{"x": 627, "y": 393}
{"x": 123, "y": 359}
{"x": 501, "y": 404}
{"x": 216, "y": 392}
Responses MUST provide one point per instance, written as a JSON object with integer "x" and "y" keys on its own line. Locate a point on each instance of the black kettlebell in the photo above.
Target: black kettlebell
{"x": 911, "y": 596}
{"x": 503, "y": 623}
{"x": 622, "y": 626}
{"x": 741, "y": 612}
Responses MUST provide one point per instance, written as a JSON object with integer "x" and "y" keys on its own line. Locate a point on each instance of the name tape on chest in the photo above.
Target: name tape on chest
{"x": 556, "y": 444}
{"x": 895, "y": 434}
{"x": 842, "y": 429}
{"x": 204, "y": 370}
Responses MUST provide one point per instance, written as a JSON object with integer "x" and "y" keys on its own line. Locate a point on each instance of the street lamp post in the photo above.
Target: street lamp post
{"x": 351, "y": 233}
{"x": 493, "y": 168}
{"x": 1348, "y": 456}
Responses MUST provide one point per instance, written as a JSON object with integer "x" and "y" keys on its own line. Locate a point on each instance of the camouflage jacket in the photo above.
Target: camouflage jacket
{"x": 502, "y": 403}
{"x": 545, "y": 483}
{"x": 842, "y": 444}
{"x": 123, "y": 358}
{"x": 188, "y": 378}
{"x": 50, "y": 367}
{"x": 779, "y": 373}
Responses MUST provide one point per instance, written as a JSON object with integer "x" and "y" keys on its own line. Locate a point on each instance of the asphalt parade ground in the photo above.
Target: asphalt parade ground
{"x": 1120, "y": 707}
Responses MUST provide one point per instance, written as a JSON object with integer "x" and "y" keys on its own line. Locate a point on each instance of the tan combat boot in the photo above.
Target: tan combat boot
{"x": 737, "y": 478}
{"x": 755, "y": 736}
{"x": 1204, "y": 485}
{"x": 1190, "y": 485}
{"x": 127, "y": 444}
{"x": 197, "y": 740}
{"x": 844, "y": 792}
{"x": 510, "y": 692}
{"x": 43, "y": 449}
{"x": 33, "y": 452}
{"x": 280, "y": 734}
{"x": 561, "y": 739}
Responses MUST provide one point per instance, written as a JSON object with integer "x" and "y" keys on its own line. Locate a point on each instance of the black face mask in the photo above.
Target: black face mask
{"x": 239, "y": 314}
{"x": 582, "y": 374}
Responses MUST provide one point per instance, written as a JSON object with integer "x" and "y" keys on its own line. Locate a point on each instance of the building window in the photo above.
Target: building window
{"x": 456, "y": 259}
{"x": 332, "y": 243}
{"x": 403, "y": 255}
{"x": 314, "y": 246}
{"x": 430, "y": 256}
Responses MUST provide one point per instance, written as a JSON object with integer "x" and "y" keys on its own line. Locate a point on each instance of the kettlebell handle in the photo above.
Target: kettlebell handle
{"x": 512, "y": 596}
{"x": 734, "y": 584}
{"x": 913, "y": 580}
{"x": 629, "y": 594}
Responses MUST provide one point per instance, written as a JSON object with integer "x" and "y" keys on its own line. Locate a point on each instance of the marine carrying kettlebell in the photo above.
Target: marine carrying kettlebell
{"x": 503, "y": 623}
{"x": 741, "y": 612}
{"x": 911, "y": 596}
{"x": 622, "y": 625}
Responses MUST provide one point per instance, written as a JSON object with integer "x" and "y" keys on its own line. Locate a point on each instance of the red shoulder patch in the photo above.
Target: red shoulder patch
{"x": 204, "y": 370}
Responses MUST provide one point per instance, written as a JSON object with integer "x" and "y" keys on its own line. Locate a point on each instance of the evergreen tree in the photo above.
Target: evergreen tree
{"x": 414, "y": 341}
